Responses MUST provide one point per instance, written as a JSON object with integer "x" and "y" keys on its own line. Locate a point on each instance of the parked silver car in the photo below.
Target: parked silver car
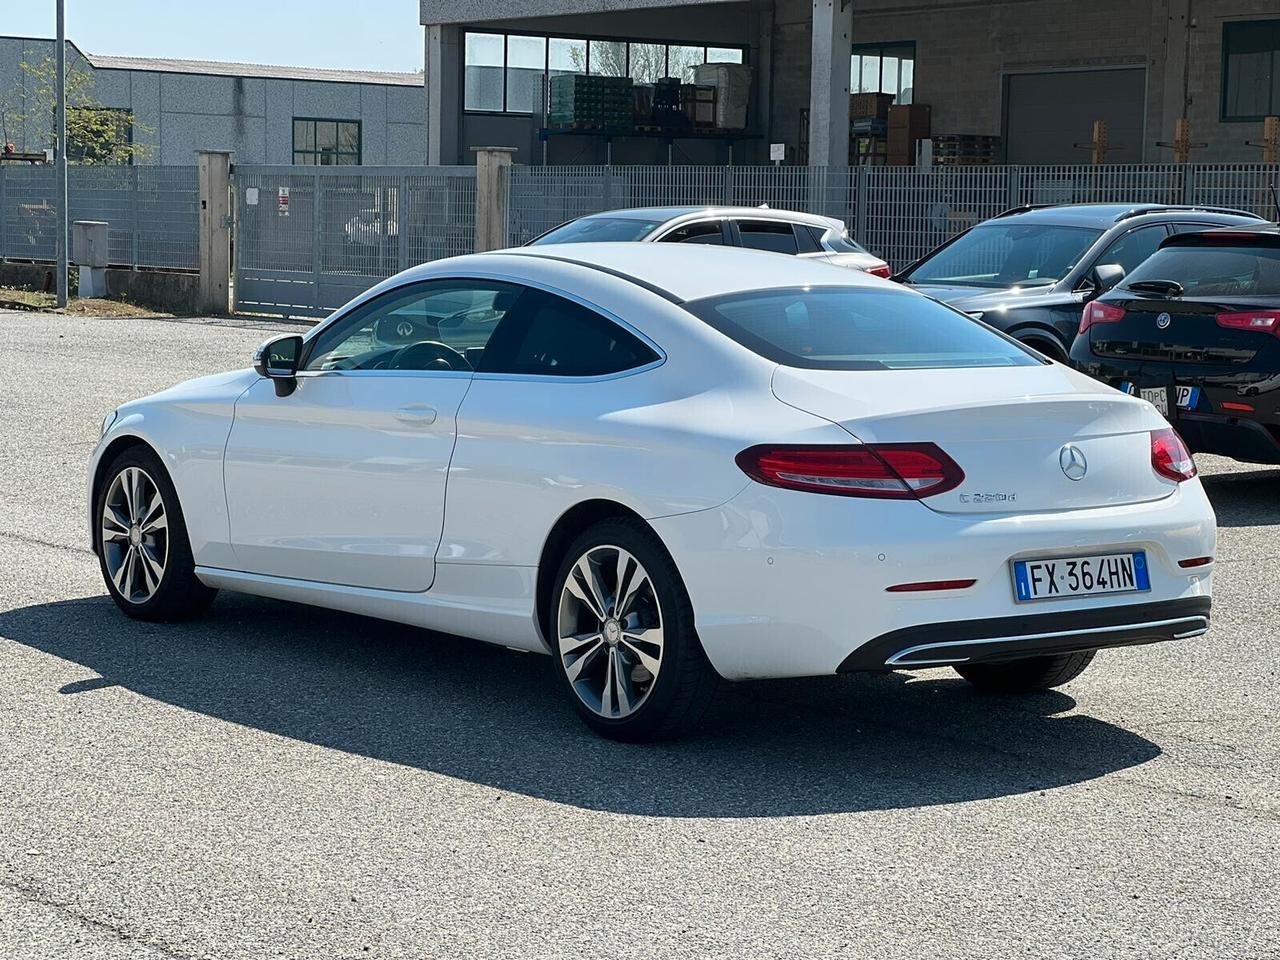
{"x": 758, "y": 228}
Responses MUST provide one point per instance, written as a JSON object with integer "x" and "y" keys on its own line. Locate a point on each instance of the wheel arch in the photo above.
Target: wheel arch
{"x": 1041, "y": 336}
{"x": 119, "y": 445}
{"x": 569, "y": 525}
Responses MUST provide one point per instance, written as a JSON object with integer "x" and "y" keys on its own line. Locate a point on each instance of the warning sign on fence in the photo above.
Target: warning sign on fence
{"x": 282, "y": 204}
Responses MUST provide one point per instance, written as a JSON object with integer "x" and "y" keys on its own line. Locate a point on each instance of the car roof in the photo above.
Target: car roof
{"x": 682, "y": 272}
{"x": 1106, "y": 215}
{"x": 674, "y": 213}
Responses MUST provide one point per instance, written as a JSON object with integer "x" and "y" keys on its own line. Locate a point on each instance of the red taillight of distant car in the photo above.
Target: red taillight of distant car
{"x": 1260, "y": 321}
{"x": 1096, "y": 312}
{"x": 882, "y": 271}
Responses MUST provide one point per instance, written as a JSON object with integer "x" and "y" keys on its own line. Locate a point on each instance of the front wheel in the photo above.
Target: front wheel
{"x": 625, "y": 645}
{"x": 1028, "y": 675}
{"x": 143, "y": 548}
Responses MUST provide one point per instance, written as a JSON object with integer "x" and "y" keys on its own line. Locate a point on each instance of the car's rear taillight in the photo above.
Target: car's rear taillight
{"x": 884, "y": 270}
{"x": 1170, "y": 456}
{"x": 1096, "y": 312}
{"x": 1260, "y": 321}
{"x": 895, "y": 471}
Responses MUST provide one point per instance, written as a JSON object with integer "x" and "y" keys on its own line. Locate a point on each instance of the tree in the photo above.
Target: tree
{"x": 95, "y": 134}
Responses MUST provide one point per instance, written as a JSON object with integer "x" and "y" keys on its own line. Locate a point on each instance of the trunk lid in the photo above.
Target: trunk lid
{"x": 1183, "y": 331}
{"x": 1005, "y": 426}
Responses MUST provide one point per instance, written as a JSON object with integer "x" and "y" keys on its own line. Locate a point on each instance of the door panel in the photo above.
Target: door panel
{"x": 343, "y": 481}
{"x": 1047, "y": 114}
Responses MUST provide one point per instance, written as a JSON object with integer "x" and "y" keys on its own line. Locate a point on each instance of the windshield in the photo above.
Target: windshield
{"x": 857, "y": 328}
{"x": 600, "y": 230}
{"x": 1214, "y": 271}
{"x": 1007, "y": 254}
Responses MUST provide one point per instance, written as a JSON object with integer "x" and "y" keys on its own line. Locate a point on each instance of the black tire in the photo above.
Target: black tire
{"x": 685, "y": 682}
{"x": 1026, "y": 676}
{"x": 1050, "y": 348}
{"x": 179, "y": 595}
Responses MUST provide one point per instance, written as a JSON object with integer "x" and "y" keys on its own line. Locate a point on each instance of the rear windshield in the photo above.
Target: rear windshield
{"x": 1214, "y": 271}
{"x": 856, "y": 328}
{"x": 600, "y": 230}
{"x": 1006, "y": 255}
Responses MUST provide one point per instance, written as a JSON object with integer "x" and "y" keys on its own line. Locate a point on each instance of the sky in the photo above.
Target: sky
{"x": 341, "y": 34}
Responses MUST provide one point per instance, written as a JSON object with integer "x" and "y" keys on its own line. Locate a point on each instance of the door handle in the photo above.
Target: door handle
{"x": 418, "y": 415}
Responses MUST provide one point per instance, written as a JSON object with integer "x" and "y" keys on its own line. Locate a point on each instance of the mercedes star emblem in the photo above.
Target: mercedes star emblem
{"x": 1073, "y": 463}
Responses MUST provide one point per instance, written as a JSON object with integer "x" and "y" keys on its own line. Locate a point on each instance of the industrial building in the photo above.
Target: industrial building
{"x": 263, "y": 114}
{"x": 1018, "y": 81}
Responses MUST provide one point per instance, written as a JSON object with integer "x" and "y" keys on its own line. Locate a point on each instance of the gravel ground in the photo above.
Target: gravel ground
{"x": 276, "y": 781}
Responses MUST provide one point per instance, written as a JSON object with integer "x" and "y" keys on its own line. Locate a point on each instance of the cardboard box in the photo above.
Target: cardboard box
{"x": 873, "y": 105}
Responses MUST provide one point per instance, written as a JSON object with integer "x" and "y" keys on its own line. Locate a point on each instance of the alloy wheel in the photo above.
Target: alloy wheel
{"x": 609, "y": 630}
{"x": 135, "y": 534}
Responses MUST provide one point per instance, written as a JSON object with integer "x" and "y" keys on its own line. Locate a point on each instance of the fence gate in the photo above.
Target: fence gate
{"x": 307, "y": 239}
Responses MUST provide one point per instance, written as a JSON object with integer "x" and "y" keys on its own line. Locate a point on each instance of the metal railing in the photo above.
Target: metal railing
{"x": 899, "y": 213}
{"x": 307, "y": 239}
{"x": 153, "y": 212}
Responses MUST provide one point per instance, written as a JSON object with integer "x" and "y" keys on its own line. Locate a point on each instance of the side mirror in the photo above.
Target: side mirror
{"x": 277, "y": 360}
{"x": 1107, "y": 275}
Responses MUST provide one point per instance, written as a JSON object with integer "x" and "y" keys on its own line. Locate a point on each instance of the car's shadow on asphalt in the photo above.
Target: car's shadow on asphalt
{"x": 490, "y": 716}
{"x": 1245, "y": 498}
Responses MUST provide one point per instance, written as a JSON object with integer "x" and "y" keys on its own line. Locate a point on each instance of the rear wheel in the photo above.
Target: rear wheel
{"x": 1025, "y": 676}
{"x": 143, "y": 549}
{"x": 625, "y": 643}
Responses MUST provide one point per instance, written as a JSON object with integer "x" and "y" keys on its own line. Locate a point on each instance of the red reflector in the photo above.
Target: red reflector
{"x": 1242, "y": 407}
{"x": 1096, "y": 312}
{"x": 927, "y": 585}
{"x": 1170, "y": 457}
{"x": 882, "y": 271}
{"x": 1196, "y": 562}
{"x": 896, "y": 471}
{"x": 1261, "y": 321}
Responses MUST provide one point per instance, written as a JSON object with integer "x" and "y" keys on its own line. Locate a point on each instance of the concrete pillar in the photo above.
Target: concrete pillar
{"x": 214, "y": 173}
{"x": 829, "y": 83}
{"x": 444, "y": 83}
{"x": 492, "y": 167}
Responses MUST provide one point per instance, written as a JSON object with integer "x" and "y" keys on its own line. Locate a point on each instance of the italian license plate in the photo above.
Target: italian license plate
{"x": 1062, "y": 577}
{"x": 1185, "y": 397}
{"x": 1158, "y": 397}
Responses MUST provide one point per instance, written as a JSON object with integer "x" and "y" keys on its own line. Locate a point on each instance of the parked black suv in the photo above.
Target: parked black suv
{"x": 1031, "y": 270}
{"x": 1196, "y": 330}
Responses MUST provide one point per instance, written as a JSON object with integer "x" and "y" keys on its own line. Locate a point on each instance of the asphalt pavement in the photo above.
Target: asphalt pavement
{"x": 277, "y": 781}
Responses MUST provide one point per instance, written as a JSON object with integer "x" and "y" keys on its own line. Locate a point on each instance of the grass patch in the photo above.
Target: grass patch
{"x": 14, "y": 298}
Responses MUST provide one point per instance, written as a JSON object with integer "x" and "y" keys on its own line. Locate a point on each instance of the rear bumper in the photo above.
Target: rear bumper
{"x": 1233, "y": 437}
{"x": 1013, "y": 638}
{"x": 786, "y": 584}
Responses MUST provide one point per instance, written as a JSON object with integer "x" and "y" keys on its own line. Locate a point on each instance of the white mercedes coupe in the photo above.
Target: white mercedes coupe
{"x": 666, "y": 466}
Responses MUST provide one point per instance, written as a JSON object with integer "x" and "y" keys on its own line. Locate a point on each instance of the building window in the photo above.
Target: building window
{"x": 326, "y": 142}
{"x": 884, "y": 68}
{"x": 507, "y": 73}
{"x": 1250, "y": 69}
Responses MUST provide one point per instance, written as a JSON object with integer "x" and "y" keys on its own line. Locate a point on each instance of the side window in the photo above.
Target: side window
{"x": 808, "y": 239}
{"x": 768, "y": 235}
{"x": 704, "y": 232}
{"x": 434, "y": 325}
{"x": 552, "y": 336}
{"x": 1194, "y": 227}
{"x": 1134, "y": 247}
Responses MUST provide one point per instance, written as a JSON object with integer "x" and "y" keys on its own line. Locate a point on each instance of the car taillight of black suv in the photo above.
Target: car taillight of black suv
{"x": 1196, "y": 330}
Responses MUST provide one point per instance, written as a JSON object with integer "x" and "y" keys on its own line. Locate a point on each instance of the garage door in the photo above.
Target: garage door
{"x": 1046, "y": 113}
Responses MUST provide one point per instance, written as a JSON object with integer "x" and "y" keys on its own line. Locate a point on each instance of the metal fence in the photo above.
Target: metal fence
{"x": 899, "y": 213}
{"x": 154, "y": 212}
{"x": 307, "y": 239}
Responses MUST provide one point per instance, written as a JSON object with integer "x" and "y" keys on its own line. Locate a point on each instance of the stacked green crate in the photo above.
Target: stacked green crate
{"x": 590, "y": 102}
